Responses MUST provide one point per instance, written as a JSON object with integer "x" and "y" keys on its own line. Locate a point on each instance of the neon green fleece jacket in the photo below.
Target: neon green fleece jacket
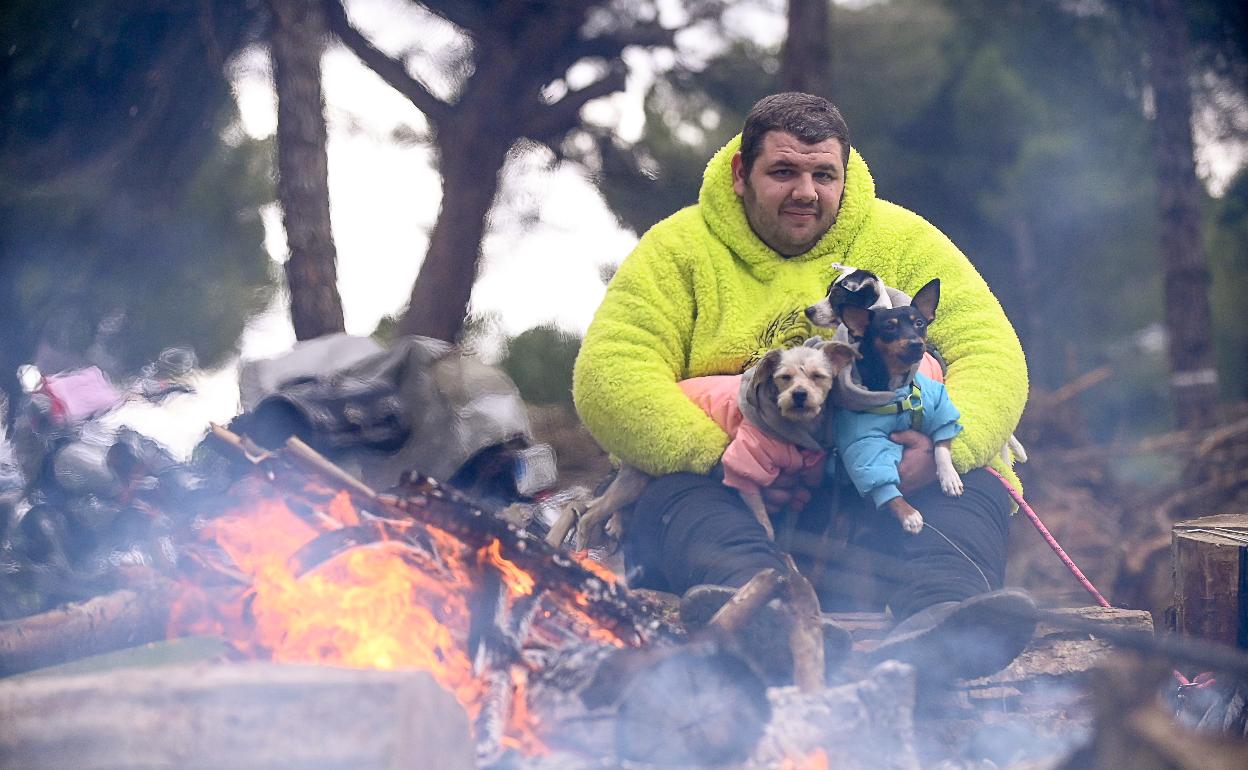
{"x": 701, "y": 294}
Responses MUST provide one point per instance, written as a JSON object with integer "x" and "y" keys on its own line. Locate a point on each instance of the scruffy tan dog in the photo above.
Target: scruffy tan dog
{"x": 776, "y": 426}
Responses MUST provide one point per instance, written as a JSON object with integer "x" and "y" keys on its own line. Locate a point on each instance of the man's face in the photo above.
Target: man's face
{"x": 793, "y": 192}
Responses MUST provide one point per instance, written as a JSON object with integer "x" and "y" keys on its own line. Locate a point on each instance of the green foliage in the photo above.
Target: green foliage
{"x": 124, "y": 213}
{"x": 540, "y": 362}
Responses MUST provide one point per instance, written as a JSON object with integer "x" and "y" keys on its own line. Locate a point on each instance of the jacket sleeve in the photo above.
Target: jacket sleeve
{"x": 871, "y": 460}
{"x": 942, "y": 415}
{"x": 633, "y": 354}
{"x": 987, "y": 377}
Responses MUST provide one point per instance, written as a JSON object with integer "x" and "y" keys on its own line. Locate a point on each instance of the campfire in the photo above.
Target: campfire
{"x": 299, "y": 571}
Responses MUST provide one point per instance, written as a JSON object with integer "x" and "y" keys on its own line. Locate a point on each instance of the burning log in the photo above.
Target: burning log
{"x": 120, "y": 619}
{"x": 255, "y": 715}
{"x": 575, "y": 587}
{"x": 858, "y": 726}
{"x": 692, "y": 704}
{"x": 422, "y": 578}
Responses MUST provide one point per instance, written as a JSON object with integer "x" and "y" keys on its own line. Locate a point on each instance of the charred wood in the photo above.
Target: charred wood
{"x": 693, "y": 704}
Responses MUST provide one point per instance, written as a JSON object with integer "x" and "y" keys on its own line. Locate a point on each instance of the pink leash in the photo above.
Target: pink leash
{"x": 1199, "y": 682}
{"x": 1052, "y": 541}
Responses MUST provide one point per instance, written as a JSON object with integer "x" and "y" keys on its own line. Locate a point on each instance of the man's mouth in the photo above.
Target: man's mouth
{"x": 801, "y": 215}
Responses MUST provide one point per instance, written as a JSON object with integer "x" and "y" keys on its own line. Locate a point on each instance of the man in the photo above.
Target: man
{"x": 714, "y": 286}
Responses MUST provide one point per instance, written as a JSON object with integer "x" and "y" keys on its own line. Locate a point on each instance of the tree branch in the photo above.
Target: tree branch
{"x": 391, "y": 70}
{"x": 611, "y": 45}
{"x": 469, "y": 16}
{"x": 549, "y": 123}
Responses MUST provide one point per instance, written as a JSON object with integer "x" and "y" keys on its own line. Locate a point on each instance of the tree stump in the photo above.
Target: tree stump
{"x": 1211, "y": 578}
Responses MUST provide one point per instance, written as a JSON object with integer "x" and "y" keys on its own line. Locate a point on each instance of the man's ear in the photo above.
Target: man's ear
{"x": 926, "y": 299}
{"x": 761, "y": 387}
{"x": 856, "y": 319}
{"x": 839, "y": 354}
{"x": 738, "y": 175}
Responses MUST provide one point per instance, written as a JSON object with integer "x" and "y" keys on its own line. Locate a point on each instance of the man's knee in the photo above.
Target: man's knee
{"x": 696, "y": 530}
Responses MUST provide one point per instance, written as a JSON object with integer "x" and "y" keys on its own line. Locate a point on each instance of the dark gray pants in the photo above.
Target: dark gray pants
{"x": 688, "y": 529}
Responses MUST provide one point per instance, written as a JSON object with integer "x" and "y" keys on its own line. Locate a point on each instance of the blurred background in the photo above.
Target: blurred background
{"x": 231, "y": 177}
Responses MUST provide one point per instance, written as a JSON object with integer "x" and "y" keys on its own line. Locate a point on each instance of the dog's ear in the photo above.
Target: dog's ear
{"x": 926, "y": 299}
{"x": 839, "y": 354}
{"x": 856, "y": 319}
{"x": 761, "y": 387}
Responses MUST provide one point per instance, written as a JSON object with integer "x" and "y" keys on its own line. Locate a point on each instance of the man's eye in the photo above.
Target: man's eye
{"x": 825, "y": 177}
{"x": 782, "y": 173}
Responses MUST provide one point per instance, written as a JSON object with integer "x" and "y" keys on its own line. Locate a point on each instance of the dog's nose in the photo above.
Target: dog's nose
{"x": 810, "y": 313}
{"x": 799, "y": 397}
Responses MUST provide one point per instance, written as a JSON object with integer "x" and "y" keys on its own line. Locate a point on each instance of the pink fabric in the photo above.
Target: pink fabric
{"x": 79, "y": 394}
{"x": 753, "y": 459}
{"x": 929, "y": 367}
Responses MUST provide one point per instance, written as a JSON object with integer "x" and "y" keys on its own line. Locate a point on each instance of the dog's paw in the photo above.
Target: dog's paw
{"x": 913, "y": 523}
{"x": 951, "y": 484}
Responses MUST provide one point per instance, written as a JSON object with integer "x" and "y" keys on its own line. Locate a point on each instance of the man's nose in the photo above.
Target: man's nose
{"x": 804, "y": 189}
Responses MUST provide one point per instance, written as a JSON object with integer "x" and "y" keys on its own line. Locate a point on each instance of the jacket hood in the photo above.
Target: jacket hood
{"x": 724, "y": 215}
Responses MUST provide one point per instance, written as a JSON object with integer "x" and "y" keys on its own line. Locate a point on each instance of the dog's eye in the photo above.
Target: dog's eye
{"x": 783, "y": 377}
{"x": 919, "y": 323}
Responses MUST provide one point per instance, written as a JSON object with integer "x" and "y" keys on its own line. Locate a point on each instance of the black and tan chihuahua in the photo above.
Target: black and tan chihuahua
{"x": 892, "y": 342}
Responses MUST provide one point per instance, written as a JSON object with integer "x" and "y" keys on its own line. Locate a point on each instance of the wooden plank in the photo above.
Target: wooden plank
{"x": 254, "y": 715}
{"x": 1211, "y": 578}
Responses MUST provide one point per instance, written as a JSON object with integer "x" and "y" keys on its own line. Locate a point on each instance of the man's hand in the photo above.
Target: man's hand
{"x": 791, "y": 490}
{"x": 918, "y": 463}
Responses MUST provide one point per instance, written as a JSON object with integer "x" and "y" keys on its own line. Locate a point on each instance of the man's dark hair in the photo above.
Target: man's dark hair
{"x": 812, "y": 119}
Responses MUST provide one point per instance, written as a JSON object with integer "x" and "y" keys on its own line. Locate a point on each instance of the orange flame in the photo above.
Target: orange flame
{"x": 385, "y": 605}
{"x": 815, "y": 760}
{"x": 365, "y": 608}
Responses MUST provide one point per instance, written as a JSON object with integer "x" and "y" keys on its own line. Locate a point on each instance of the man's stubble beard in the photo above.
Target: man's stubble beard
{"x": 750, "y": 203}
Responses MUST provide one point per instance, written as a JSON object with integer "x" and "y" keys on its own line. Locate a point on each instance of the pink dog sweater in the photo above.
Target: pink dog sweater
{"x": 753, "y": 459}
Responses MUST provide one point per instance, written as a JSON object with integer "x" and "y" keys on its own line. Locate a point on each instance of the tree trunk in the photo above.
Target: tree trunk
{"x": 1194, "y": 380}
{"x": 806, "y": 61}
{"x": 470, "y": 169}
{"x": 298, "y": 39}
